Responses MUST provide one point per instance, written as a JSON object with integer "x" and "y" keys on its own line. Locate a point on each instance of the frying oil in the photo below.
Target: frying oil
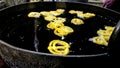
{"x": 21, "y": 31}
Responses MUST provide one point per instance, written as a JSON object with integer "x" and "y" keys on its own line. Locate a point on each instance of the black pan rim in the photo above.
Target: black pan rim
{"x": 48, "y": 54}
{"x": 8, "y": 7}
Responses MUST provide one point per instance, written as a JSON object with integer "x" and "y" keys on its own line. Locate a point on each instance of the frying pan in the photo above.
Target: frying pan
{"x": 17, "y": 36}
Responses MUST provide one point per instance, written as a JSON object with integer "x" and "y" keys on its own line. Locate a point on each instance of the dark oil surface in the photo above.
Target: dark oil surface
{"x": 19, "y": 31}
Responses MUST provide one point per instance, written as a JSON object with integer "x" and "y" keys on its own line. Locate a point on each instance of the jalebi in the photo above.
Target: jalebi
{"x": 34, "y": 14}
{"x": 50, "y": 18}
{"x": 59, "y": 47}
{"x": 54, "y": 25}
{"x": 77, "y": 21}
{"x": 63, "y": 31}
{"x": 100, "y": 40}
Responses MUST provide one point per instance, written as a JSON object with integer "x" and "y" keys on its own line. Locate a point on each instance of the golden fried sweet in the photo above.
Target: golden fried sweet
{"x": 63, "y": 31}
{"x": 34, "y": 14}
{"x": 88, "y": 15}
{"x": 45, "y": 13}
{"x": 59, "y": 19}
{"x": 59, "y": 47}
{"x": 60, "y": 11}
{"x": 103, "y": 32}
{"x": 72, "y": 12}
{"x": 106, "y": 37}
{"x": 108, "y": 31}
{"x": 109, "y": 28}
{"x": 80, "y": 14}
{"x": 54, "y": 25}
{"x": 55, "y": 13}
{"x": 50, "y": 18}
{"x": 103, "y": 35}
{"x": 77, "y": 21}
{"x": 100, "y": 40}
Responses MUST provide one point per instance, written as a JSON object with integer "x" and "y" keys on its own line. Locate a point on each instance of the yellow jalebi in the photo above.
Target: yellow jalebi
{"x": 103, "y": 35}
{"x": 80, "y": 14}
{"x": 75, "y": 12}
{"x": 59, "y": 47}
{"x": 72, "y": 12}
{"x": 57, "y": 12}
{"x": 100, "y": 40}
{"x": 88, "y": 15}
{"x": 63, "y": 31}
{"x": 54, "y": 25}
{"x": 106, "y": 37}
{"x": 50, "y": 18}
{"x": 45, "y": 13}
{"x": 103, "y": 32}
{"x": 60, "y": 11}
{"x": 108, "y": 31}
{"x": 77, "y": 21}
{"x": 54, "y": 13}
{"x": 59, "y": 19}
{"x": 34, "y": 14}
{"x": 109, "y": 28}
